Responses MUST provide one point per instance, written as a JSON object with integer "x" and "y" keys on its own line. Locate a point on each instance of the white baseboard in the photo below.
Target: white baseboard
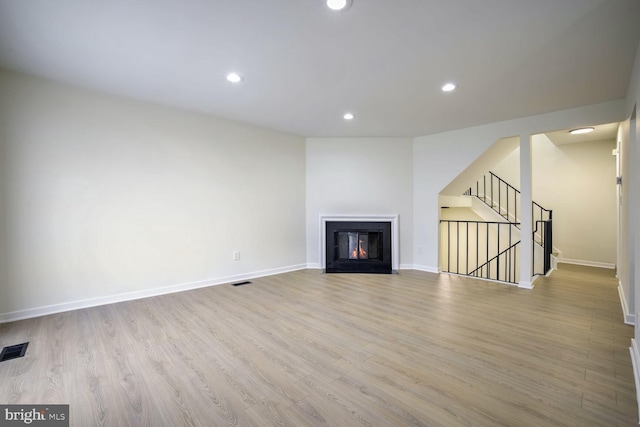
{"x": 635, "y": 360}
{"x": 587, "y": 263}
{"x": 523, "y": 284}
{"x": 628, "y": 316}
{"x": 424, "y": 268}
{"x": 129, "y": 296}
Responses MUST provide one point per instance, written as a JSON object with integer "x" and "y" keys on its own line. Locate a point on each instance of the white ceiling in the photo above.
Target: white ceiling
{"x": 305, "y": 66}
{"x": 606, "y": 132}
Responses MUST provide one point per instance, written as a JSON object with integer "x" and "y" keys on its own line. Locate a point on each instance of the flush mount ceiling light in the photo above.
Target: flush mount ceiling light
{"x": 338, "y": 4}
{"x": 449, "y": 87}
{"x": 348, "y": 116}
{"x": 234, "y": 77}
{"x": 580, "y": 131}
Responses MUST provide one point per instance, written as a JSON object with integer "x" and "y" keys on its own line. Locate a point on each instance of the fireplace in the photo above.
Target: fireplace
{"x": 358, "y": 247}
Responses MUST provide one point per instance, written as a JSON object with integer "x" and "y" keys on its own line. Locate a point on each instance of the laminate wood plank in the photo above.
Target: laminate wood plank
{"x": 268, "y": 413}
{"x": 472, "y": 395}
{"x": 307, "y": 348}
{"x": 337, "y": 398}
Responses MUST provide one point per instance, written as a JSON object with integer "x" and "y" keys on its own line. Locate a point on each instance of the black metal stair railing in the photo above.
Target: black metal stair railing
{"x": 542, "y": 236}
{"x": 485, "y": 249}
{"x": 508, "y": 259}
{"x": 504, "y": 199}
{"x": 499, "y": 195}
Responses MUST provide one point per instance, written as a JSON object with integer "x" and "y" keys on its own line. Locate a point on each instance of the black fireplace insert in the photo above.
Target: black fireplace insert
{"x": 358, "y": 247}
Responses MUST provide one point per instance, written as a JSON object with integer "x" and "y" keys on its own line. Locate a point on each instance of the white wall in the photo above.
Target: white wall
{"x": 630, "y": 212}
{"x": 630, "y": 208}
{"x": 626, "y": 247}
{"x": 508, "y": 168}
{"x": 103, "y": 196}
{"x": 440, "y": 158}
{"x": 576, "y": 181}
{"x": 480, "y": 166}
{"x": 359, "y": 176}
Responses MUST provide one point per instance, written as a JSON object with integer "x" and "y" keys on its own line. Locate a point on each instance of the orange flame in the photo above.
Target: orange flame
{"x": 359, "y": 252}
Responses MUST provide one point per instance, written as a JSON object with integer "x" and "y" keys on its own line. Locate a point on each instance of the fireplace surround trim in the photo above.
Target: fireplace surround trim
{"x": 395, "y": 240}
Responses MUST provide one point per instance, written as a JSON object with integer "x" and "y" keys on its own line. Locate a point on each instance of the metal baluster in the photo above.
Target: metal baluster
{"x": 477, "y": 244}
{"x": 484, "y": 188}
{"x": 467, "y": 247}
{"x": 492, "y": 199}
{"x": 487, "y": 254}
{"x": 458, "y": 247}
{"x": 449, "y": 246}
{"x": 498, "y": 257}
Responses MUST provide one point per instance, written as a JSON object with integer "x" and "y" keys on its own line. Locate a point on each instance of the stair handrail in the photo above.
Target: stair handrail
{"x": 516, "y": 193}
{"x": 542, "y": 236}
{"x": 541, "y": 218}
{"x": 489, "y": 197}
{"x": 461, "y": 250}
{"x": 509, "y": 187}
{"x": 494, "y": 258}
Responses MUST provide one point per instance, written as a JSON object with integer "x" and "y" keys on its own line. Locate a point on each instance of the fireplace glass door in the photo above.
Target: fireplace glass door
{"x": 358, "y": 247}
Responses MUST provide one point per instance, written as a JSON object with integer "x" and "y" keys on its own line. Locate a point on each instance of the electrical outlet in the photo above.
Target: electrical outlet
{"x": 236, "y": 256}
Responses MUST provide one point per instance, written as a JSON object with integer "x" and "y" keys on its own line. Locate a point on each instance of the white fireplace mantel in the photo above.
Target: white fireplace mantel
{"x": 395, "y": 240}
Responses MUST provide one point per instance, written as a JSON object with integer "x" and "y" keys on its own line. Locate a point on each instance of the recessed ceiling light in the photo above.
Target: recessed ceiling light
{"x": 338, "y": 4}
{"x": 234, "y": 77}
{"x": 449, "y": 87}
{"x": 580, "y": 131}
{"x": 348, "y": 116}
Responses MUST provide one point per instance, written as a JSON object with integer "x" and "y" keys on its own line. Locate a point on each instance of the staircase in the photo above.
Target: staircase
{"x": 490, "y": 249}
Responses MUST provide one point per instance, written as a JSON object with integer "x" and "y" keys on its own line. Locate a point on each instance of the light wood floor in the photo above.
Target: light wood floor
{"x": 307, "y": 348}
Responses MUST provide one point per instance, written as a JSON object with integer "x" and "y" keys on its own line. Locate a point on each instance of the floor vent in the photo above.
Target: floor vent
{"x": 13, "y": 351}
{"x": 241, "y": 283}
